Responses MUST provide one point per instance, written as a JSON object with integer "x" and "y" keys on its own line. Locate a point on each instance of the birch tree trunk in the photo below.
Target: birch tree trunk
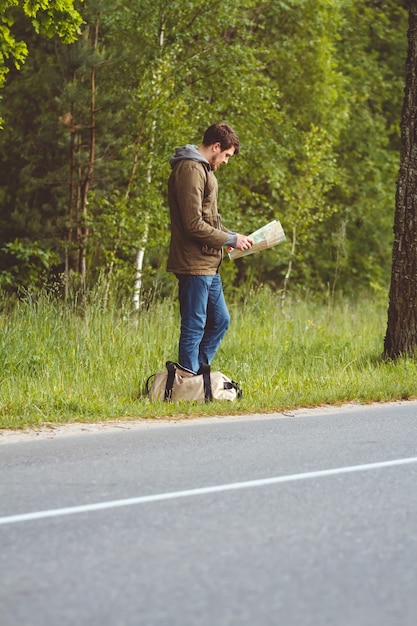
{"x": 401, "y": 335}
{"x": 137, "y": 288}
{"x": 140, "y": 254}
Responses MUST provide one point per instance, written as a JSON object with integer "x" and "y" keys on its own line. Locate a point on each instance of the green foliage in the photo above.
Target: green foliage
{"x": 313, "y": 87}
{"x": 25, "y": 263}
{"x": 48, "y": 17}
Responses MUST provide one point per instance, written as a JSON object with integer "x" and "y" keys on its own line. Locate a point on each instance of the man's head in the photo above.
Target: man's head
{"x": 220, "y": 142}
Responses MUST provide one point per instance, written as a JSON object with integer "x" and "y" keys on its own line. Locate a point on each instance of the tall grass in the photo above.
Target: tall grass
{"x": 58, "y": 364}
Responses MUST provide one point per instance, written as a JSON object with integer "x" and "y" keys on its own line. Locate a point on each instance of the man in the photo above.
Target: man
{"x": 197, "y": 240}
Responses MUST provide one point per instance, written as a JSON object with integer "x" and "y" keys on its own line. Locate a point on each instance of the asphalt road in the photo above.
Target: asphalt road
{"x": 308, "y": 520}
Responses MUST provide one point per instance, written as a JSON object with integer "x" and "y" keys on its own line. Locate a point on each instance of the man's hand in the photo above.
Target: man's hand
{"x": 243, "y": 242}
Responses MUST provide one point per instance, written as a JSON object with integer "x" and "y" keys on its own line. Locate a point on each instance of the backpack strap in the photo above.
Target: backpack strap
{"x": 148, "y": 383}
{"x": 171, "y": 366}
{"x": 205, "y": 371}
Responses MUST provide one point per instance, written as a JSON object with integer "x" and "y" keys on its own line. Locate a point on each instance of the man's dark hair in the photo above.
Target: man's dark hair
{"x": 223, "y": 134}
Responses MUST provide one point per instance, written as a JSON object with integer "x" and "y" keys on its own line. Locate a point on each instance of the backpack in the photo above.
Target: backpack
{"x": 176, "y": 383}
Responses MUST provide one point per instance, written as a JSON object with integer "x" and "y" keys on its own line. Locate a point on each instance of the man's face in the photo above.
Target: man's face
{"x": 219, "y": 156}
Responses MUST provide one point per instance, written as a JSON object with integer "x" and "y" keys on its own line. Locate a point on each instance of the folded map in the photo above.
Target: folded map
{"x": 266, "y": 237}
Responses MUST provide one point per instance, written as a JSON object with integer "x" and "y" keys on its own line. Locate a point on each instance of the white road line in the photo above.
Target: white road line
{"x": 159, "y": 497}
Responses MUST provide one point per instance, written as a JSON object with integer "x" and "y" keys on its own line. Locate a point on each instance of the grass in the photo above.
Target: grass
{"x": 57, "y": 365}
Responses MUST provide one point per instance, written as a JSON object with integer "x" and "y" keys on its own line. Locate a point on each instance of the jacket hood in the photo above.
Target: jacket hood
{"x": 190, "y": 152}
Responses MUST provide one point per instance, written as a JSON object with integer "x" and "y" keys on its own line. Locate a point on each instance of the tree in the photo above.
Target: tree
{"x": 311, "y": 86}
{"x": 401, "y": 335}
{"x": 47, "y": 17}
{"x": 298, "y": 165}
{"x": 176, "y": 63}
{"x": 371, "y": 52}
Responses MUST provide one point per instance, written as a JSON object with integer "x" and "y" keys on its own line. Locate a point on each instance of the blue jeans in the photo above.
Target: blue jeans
{"x": 204, "y": 319}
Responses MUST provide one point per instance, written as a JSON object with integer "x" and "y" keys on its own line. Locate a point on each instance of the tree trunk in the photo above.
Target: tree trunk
{"x": 289, "y": 268}
{"x": 140, "y": 253}
{"x": 72, "y": 204}
{"x": 89, "y": 168}
{"x": 401, "y": 335}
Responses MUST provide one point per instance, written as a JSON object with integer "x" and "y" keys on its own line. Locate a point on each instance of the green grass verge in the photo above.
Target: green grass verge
{"x": 57, "y": 365}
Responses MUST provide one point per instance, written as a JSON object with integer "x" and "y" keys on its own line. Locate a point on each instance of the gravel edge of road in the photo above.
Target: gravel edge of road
{"x": 53, "y": 430}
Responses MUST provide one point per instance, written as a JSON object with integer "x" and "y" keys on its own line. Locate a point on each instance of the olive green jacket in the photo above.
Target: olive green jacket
{"x": 197, "y": 236}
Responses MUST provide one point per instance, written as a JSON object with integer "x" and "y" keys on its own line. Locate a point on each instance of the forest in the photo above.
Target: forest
{"x": 314, "y": 89}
